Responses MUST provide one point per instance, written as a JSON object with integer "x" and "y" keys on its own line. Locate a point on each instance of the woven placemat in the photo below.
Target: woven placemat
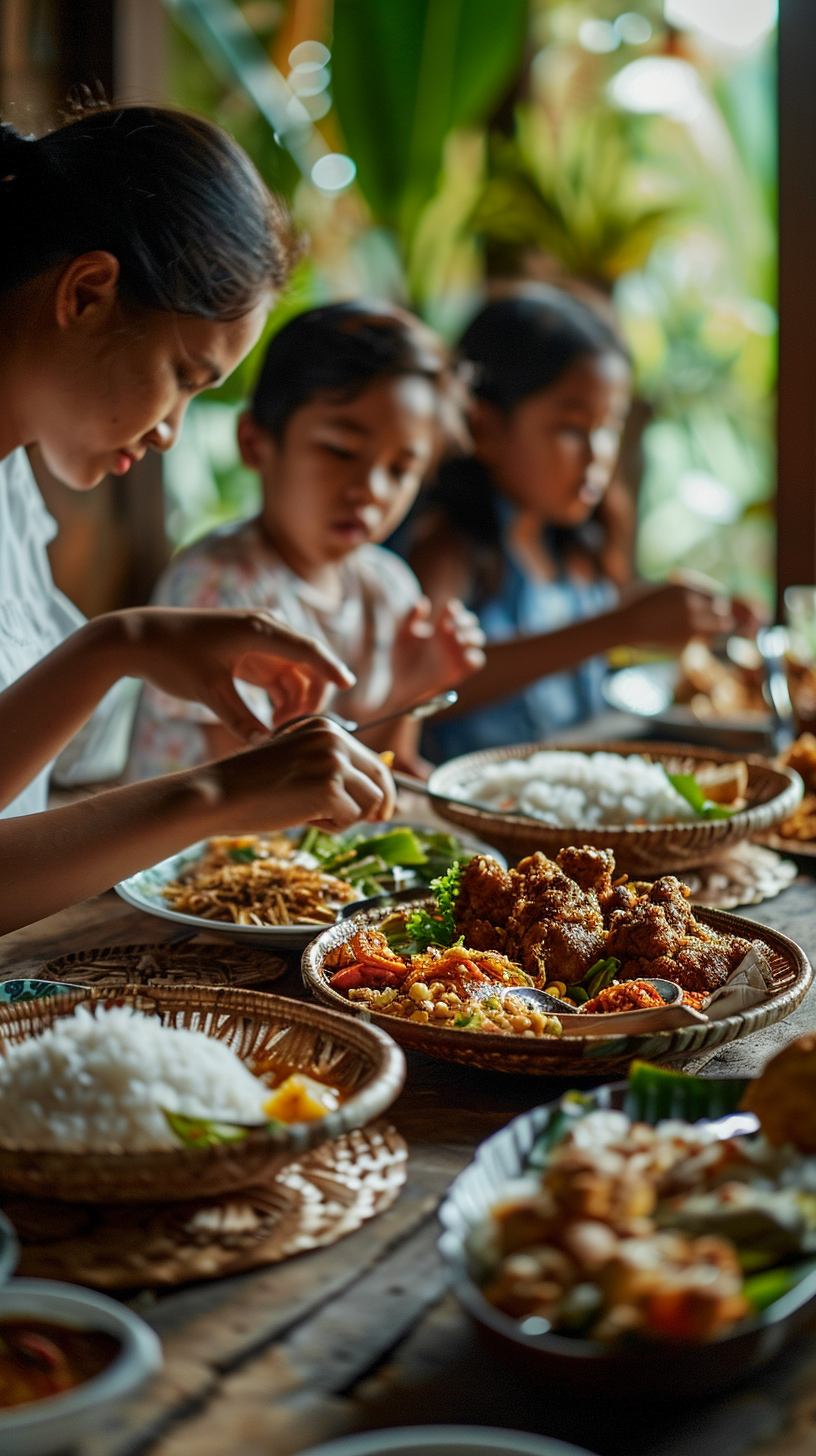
{"x": 315, "y": 1201}
{"x": 170, "y": 963}
{"x": 744, "y": 875}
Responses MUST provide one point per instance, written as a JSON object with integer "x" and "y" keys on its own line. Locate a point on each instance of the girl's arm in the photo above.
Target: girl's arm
{"x": 666, "y": 615}
{"x": 192, "y": 654}
{"x": 315, "y": 774}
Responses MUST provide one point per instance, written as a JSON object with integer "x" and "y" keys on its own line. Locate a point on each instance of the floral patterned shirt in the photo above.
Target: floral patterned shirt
{"x": 236, "y": 566}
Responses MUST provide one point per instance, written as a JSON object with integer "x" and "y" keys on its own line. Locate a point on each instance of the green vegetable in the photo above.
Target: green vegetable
{"x": 243, "y": 855}
{"x": 594, "y": 980}
{"x": 438, "y": 928}
{"x": 398, "y": 847}
{"x": 687, "y": 785}
{"x": 763, "y": 1290}
{"x": 655, "y": 1092}
{"x": 472, "y": 1019}
{"x": 199, "y": 1132}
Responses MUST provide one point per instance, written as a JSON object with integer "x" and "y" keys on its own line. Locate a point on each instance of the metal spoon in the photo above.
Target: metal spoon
{"x": 772, "y": 643}
{"x": 425, "y": 709}
{"x": 542, "y": 1000}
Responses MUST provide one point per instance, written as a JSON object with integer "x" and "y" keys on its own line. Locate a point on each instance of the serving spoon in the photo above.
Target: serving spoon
{"x": 542, "y": 1000}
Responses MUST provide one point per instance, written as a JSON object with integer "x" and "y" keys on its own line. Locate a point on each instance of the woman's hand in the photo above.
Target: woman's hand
{"x": 670, "y": 614}
{"x": 195, "y": 654}
{"x": 314, "y": 773}
{"x": 429, "y": 656}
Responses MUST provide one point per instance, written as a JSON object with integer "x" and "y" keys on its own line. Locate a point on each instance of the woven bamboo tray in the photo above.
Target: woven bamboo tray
{"x": 359, "y": 1059}
{"x": 641, "y": 850}
{"x": 314, "y": 1201}
{"x": 171, "y": 963}
{"x": 588, "y": 1056}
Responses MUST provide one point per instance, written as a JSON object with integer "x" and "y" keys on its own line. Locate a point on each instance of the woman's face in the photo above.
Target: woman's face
{"x": 347, "y": 472}
{"x": 107, "y": 383}
{"x": 556, "y": 452}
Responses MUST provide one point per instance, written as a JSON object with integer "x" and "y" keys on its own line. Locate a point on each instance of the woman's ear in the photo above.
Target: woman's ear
{"x": 256, "y": 444}
{"x": 86, "y": 292}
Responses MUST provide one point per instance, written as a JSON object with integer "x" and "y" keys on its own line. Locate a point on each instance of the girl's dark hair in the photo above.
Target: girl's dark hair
{"x": 515, "y": 347}
{"x": 339, "y": 349}
{"x": 523, "y": 343}
{"x": 172, "y": 196}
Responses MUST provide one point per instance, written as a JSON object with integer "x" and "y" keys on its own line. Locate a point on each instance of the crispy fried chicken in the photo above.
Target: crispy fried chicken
{"x": 556, "y": 929}
{"x": 485, "y": 902}
{"x": 658, "y": 936}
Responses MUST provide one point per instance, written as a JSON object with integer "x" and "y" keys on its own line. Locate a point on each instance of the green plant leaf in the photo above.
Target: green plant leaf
{"x": 404, "y": 73}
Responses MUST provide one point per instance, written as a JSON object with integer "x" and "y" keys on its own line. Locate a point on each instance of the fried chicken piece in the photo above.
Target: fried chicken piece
{"x": 486, "y": 899}
{"x": 557, "y": 929}
{"x": 620, "y": 897}
{"x": 655, "y": 925}
{"x": 699, "y": 964}
{"x": 590, "y": 868}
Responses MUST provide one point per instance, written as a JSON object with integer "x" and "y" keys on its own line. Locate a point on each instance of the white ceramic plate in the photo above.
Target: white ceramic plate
{"x": 446, "y": 1441}
{"x": 144, "y": 890}
{"x": 59, "y": 1421}
{"x": 647, "y": 691}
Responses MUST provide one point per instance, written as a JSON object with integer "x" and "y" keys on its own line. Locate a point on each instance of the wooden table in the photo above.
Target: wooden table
{"x": 364, "y": 1334}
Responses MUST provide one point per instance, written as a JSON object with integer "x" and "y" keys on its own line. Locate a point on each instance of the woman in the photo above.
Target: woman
{"x": 510, "y": 529}
{"x": 139, "y": 252}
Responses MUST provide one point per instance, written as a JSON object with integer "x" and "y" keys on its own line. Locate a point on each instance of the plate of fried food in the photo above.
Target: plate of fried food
{"x": 796, "y": 834}
{"x": 555, "y": 967}
{"x": 658, "y": 1234}
{"x": 279, "y": 890}
{"x": 659, "y": 807}
{"x": 701, "y": 696}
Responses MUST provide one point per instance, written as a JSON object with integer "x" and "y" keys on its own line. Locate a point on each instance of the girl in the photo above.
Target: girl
{"x": 510, "y": 530}
{"x": 345, "y": 422}
{"x": 138, "y": 255}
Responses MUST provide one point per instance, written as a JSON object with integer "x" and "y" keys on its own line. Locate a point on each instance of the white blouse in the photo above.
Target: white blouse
{"x": 34, "y": 618}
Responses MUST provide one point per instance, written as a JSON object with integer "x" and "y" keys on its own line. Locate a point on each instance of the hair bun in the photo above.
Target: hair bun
{"x": 15, "y": 152}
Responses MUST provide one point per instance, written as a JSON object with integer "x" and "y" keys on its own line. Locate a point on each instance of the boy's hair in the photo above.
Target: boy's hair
{"x": 521, "y": 344}
{"x": 171, "y": 195}
{"x": 341, "y": 348}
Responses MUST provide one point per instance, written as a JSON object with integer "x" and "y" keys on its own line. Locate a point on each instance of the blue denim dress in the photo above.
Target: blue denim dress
{"x": 525, "y": 606}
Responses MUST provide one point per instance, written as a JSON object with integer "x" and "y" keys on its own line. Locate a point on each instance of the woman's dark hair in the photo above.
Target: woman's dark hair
{"x": 521, "y": 344}
{"x": 172, "y": 196}
{"x": 515, "y": 347}
{"x": 341, "y": 348}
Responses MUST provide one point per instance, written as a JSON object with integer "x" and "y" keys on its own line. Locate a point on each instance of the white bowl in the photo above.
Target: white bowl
{"x": 57, "y": 1422}
{"x": 446, "y": 1441}
{"x": 145, "y": 890}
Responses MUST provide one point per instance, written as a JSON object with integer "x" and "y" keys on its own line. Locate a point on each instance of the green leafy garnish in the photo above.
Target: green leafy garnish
{"x": 687, "y": 785}
{"x": 471, "y": 1020}
{"x": 439, "y": 927}
{"x": 245, "y": 854}
{"x": 200, "y": 1132}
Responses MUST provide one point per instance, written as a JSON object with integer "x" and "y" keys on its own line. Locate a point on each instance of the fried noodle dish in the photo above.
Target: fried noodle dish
{"x": 566, "y": 926}
{"x": 253, "y": 881}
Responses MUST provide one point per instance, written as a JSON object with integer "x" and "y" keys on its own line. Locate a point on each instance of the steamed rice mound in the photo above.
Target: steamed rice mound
{"x": 581, "y": 790}
{"x": 98, "y": 1083}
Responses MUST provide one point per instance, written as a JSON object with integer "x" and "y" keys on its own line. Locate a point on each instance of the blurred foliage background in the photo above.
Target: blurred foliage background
{"x": 625, "y": 154}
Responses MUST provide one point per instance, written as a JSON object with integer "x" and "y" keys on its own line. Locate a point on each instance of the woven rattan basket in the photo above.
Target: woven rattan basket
{"x": 640, "y": 849}
{"x": 359, "y": 1059}
{"x": 588, "y": 1056}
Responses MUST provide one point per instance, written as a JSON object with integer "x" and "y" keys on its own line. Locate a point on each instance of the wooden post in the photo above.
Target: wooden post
{"x": 796, "y": 499}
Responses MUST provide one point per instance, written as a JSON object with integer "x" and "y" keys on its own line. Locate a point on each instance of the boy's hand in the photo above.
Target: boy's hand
{"x": 430, "y": 656}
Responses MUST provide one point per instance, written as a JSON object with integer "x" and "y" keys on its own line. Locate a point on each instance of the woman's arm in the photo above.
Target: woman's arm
{"x": 313, "y": 774}
{"x": 191, "y": 654}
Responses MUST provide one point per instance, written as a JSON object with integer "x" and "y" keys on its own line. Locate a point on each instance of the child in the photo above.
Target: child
{"x": 139, "y": 255}
{"x": 346, "y": 419}
{"x": 510, "y": 529}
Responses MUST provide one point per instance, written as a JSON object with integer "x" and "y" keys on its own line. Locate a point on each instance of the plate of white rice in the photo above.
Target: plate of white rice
{"x": 584, "y": 790}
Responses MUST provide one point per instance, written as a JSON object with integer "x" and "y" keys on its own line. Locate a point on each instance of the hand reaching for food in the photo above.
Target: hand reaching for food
{"x": 430, "y": 654}
{"x": 196, "y": 654}
{"x": 669, "y": 614}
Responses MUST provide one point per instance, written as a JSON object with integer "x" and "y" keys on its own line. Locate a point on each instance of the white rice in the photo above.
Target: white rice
{"x": 580, "y": 790}
{"x": 98, "y": 1083}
